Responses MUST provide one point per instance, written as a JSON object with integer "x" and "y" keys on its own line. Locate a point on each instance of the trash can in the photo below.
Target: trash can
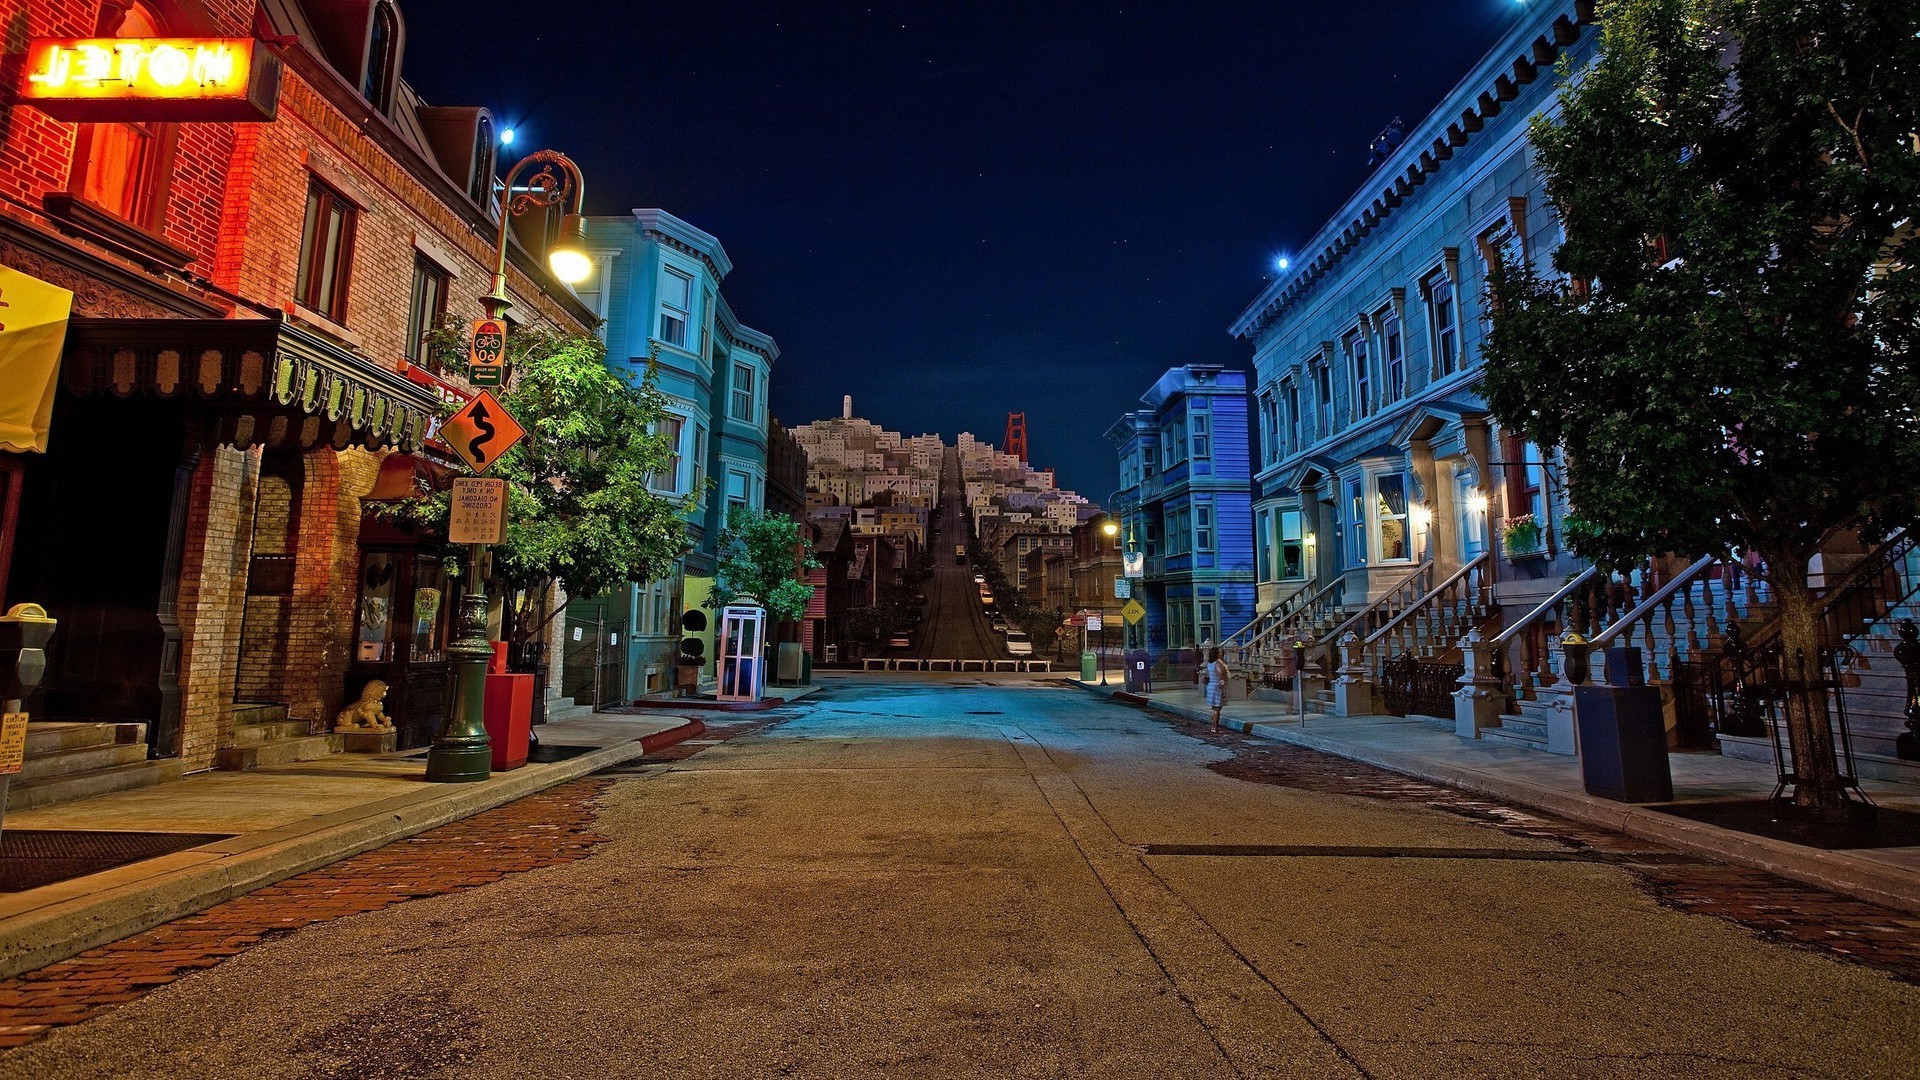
{"x": 509, "y": 719}
{"x": 1623, "y": 734}
{"x": 1139, "y": 672}
{"x": 1089, "y": 666}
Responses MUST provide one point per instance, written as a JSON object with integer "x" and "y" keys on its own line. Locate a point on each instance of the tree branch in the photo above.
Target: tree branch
{"x": 1853, "y": 132}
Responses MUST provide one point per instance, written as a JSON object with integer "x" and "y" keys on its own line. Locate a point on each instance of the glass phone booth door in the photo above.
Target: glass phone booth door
{"x": 742, "y": 638}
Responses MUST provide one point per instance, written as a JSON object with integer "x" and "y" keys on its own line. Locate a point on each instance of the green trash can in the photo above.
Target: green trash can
{"x": 1088, "y": 662}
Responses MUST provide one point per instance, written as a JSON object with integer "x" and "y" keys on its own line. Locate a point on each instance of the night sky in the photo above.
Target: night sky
{"x": 951, "y": 210}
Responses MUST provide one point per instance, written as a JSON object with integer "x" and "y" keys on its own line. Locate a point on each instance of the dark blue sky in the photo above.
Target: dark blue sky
{"x": 951, "y": 211}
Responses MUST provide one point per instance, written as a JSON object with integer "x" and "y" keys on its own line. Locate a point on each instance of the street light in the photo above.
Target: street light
{"x": 462, "y": 753}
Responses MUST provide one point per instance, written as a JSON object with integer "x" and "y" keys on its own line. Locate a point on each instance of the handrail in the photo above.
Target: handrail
{"x": 1340, "y": 631}
{"x": 1680, "y": 580}
{"x": 1311, "y": 602}
{"x": 1432, "y": 593}
{"x": 1280, "y": 608}
{"x": 1859, "y": 578}
{"x": 1538, "y": 614}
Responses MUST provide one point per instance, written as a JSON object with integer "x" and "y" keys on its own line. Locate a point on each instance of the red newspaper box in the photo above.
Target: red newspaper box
{"x": 509, "y": 718}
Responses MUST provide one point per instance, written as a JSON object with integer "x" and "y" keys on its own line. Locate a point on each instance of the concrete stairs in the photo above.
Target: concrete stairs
{"x": 78, "y": 760}
{"x": 262, "y": 735}
{"x": 1526, "y": 729}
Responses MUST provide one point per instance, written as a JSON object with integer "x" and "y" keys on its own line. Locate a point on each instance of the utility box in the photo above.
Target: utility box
{"x": 791, "y": 664}
{"x": 1623, "y": 734}
{"x": 1139, "y": 672}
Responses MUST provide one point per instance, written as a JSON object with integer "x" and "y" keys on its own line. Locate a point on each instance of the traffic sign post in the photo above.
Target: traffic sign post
{"x": 479, "y": 434}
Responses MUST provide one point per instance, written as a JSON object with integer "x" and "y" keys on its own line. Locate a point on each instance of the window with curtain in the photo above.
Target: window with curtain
{"x": 668, "y": 478}
{"x": 428, "y": 306}
{"x": 1390, "y": 511}
{"x": 326, "y": 252}
{"x": 743, "y": 392}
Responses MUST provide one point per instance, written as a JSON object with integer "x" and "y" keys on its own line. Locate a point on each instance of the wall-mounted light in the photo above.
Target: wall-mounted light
{"x": 1477, "y": 502}
{"x": 1422, "y": 515}
{"x": 1311, "y": 539}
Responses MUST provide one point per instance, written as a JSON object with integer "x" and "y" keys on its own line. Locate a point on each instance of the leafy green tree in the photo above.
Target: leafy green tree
{"x": 580, "y": 511}
{"x": 1726, "y": 351}
{"x": 764, "y": 556}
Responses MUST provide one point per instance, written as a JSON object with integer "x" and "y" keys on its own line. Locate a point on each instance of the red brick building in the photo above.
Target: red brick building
{"x": 249, "y": 298}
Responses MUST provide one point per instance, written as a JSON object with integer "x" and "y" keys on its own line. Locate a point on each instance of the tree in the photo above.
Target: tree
{"x": 579, "y": 508}
{"x": 764, "y": 556}
{"x": 1726, "y": 351}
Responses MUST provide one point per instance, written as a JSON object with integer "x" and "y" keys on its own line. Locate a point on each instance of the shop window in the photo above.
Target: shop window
{"x": 429, "y": 637}
{"x": 383, "y": 58}
{"x": 326, "y": 252}
{"x": 428, "y": 307}
{"x": 1293, "y": 561}
{"x": 1390, "y": 512}
{"x": 376, "y": 637}
{"x": 122, "y": 167}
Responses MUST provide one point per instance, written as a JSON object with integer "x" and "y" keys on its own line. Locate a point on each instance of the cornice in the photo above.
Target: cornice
{"x": 1530, "y": 48}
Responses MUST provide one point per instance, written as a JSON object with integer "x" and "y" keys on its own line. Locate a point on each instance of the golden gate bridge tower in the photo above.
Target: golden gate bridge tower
{"x": 1015, "y": 441}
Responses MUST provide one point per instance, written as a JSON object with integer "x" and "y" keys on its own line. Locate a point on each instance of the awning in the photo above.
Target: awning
{"x": 33, "y": 323}
{"x": 267, "y": 382}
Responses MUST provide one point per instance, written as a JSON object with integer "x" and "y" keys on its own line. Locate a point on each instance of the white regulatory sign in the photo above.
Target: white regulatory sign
{"x": 478, "y": 511}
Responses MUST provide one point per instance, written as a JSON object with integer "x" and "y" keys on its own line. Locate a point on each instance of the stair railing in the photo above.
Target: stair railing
{"x": 1689, "y": 614}
{"x": 1273, "y": 645}
{"x": 1268, "y": 618}
{"x": 1443, "y": 615}
{"x": 1402, "y": 595}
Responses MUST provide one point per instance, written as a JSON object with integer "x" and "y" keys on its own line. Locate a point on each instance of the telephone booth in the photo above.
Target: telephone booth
{"x": 743, "y": 630}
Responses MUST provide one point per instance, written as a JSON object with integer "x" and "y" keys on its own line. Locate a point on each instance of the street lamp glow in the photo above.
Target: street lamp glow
{"x": 1110, "y": 529}
{"x": 568, "y": 256}
{"x": 506, "y": 136}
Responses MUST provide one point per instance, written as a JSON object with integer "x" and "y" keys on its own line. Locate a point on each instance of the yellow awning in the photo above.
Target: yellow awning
{"x": 33, "y": 331}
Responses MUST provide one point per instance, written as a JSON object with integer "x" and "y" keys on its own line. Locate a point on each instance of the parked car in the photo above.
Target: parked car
{"x": 1000, "y": 626}
{"x": 979, "y": 579}
{"x": 1019, "y": 644}
{"x": 959, "y": 553}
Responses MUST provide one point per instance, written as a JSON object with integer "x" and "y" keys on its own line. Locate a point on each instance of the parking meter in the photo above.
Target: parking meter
{"x": 24, "y": 633}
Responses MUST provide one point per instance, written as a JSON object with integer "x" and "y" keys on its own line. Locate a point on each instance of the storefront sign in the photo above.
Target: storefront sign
{"x": 13, "y": 742}
{"x": 477, "y": 511}
{"x": 184, "y": 79}
{"x": 33, "y": 331}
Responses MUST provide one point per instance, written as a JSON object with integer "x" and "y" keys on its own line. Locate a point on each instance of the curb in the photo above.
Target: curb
{"x": 152, "y": 894}
{"x": 1833, "y": 871}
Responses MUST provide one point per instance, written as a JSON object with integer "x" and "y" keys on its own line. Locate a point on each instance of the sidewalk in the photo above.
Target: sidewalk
{"x": 1551, "y": 783}
{"x": 278, "y": 821}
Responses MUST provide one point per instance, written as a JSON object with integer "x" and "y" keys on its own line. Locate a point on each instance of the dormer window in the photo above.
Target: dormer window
{"x": 480, "y": 185}
{"x": 383, "y": 58}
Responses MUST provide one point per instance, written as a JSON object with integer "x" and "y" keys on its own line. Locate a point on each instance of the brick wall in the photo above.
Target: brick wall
{"x": 213, "y": 586}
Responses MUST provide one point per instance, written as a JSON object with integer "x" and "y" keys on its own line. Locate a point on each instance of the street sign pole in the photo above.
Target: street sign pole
{"x": 462, "y": 753}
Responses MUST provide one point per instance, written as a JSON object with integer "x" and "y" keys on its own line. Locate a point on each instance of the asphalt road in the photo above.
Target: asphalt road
{"x": 954, "y": 627}
{"x": 949, "y": 877}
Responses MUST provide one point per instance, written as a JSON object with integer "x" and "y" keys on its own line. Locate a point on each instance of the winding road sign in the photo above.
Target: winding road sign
{"x": 481, "y": 431}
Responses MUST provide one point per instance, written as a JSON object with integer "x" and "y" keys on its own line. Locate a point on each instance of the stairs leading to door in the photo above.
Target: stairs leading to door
{"x": 78, "y": 760}
{"x": 262, "y": 735}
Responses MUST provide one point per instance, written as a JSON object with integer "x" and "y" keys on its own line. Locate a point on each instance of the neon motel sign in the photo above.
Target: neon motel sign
{"x": 180, "y": 79}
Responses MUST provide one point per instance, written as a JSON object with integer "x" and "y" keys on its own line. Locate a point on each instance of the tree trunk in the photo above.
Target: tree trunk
{"x": 1802, "y": 668}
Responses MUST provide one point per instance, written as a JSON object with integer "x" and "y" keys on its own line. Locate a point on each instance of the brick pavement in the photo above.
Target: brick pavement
{"x": 553, "y": 827}
{"x": 1775, "y": 908}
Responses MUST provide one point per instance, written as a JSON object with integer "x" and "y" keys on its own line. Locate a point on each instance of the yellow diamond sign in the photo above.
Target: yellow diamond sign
{"x": 1133, "y": 612}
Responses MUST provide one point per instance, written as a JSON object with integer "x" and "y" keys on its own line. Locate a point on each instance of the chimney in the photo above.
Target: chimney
{"x": 846, "y": 407}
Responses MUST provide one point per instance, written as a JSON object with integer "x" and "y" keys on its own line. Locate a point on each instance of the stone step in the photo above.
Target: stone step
{"x": 1872, "y": 764}
{"x": 564, "y": 709}
{"x": 81, "y": 759}
{"x": 46, "y": 736}
{"x": 278, "y": 752}
{"x": 1515, "y": 737}
{"x": 258, "y": 712}
{"x": 25, "y": 795}
{"x": 1524, "y": 727}
{"x": 255, "y": 734}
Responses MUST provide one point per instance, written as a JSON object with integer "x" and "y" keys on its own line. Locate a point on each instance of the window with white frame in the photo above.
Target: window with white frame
{"x": 739, "y": 489}
{"x": 670, "y": 428}
{"x": 1201, "y": 441}
{"x": 676, "y": 303}
{"x": 1263, "y": 537}
{"x": 1390, "y": 513}
{"x": 1291, "y": 394}
{"x": 1393, "y": 356}
{"x": 1356, "y": 523}
{"x": 1362, "y": 368}
{"x": 1205, "y": 621}
{"x": 1202, "y": 527}
{"x": 1443, "y": 321}
{"x": 699, "y": 456}
{"x": 743, "y": 392}
{"x": 1293, "y": 560}
{"x": 1270, "y": 426}
{"x": 706, "y": 318}
{"x": 1323, "y": 403}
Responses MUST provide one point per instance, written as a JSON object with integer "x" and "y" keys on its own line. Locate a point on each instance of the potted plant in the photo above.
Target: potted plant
{"x": 1521, "y": 535}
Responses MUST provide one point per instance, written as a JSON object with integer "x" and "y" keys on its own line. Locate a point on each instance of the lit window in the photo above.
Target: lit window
{"x": 676, "y": 294}
{"x": 428, "y": 307}
{"x": 120, "y": 168}
{"x": 1293, "y": 564}
{"x": 326, "y": 252}
{"x": 1390, "y": 491}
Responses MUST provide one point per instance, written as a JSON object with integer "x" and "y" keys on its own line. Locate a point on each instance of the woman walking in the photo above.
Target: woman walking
{"x": 1213, "y": 677}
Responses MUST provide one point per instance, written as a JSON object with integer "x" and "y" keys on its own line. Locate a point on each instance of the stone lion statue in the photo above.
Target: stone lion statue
{"x": 366, "y": 714}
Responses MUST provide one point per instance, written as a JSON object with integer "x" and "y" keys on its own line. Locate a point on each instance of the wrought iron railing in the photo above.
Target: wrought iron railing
{"x": 1410, "y": 686}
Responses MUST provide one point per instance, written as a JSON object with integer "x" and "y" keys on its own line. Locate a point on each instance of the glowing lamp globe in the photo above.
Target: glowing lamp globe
{"x": 568, "y": 256}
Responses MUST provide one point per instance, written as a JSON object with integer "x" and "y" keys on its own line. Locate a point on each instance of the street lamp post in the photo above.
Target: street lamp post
{"x": 462, "y": 753}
